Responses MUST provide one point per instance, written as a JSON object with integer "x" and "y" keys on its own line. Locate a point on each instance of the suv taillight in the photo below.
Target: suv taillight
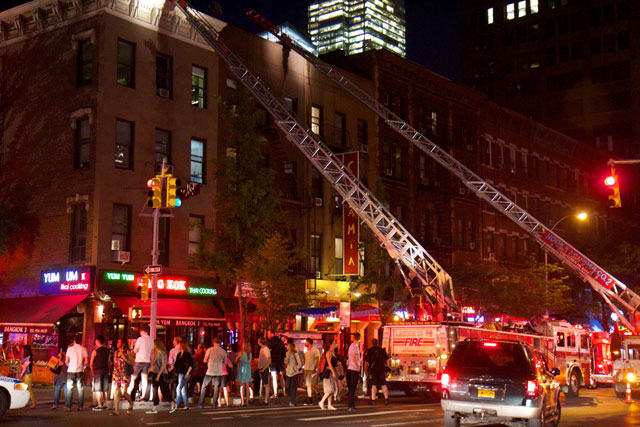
{"x": 532, "y": 388}
{"x": 445, "y": 380}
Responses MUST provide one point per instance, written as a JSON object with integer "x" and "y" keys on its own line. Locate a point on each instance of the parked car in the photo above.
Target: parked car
{"x": 499, "y": 381}
{"x": 14, "y": 394}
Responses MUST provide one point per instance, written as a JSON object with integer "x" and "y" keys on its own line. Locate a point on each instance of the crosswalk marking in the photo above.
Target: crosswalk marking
{"x": 367, "y": 414}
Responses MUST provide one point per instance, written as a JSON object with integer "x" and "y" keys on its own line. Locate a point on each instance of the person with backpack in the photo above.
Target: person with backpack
{"x": 375, "y": 366}
{"x": 328, "y": 365}
{"x": 293, "y": 365}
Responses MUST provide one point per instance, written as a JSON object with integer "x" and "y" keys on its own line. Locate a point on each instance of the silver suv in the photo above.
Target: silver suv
{"x": 499, "y": 381}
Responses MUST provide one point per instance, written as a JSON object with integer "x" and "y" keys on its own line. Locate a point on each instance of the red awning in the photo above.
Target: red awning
{"x": 173, "y": 308}
{"x": 37, "y": 311}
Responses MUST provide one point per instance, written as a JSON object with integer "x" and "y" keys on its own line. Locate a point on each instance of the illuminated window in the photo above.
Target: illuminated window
{"x": 195, "y": 238}
{"x": 338, "y": 256}
{"x": 120, "y": 230}
{"x": 197, "y": 161}
{"x": 511, "y": 11}
{"x": 316, "y": 120}
{"x": 198, "y": 86}
{"x": 490, "y": 15}
{"x": 124, "y": 145}
{"x": 163, "y": 147}
{"x": 522, "y": 8}
{"x": 434, "y": 123}
{"x": 78, "y": 233}
{"x": 83, "y": 143}
{"x": 164, "y": 75}
{"x": 85, "y": 62}
{"x": 533, "y": 6}
{"x": 126, "y": 63}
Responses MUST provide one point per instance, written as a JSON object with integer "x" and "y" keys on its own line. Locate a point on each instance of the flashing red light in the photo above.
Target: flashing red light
{"x": 610, "y": 181}
{"x": 151, "y": 183}
{"x": 600, "y": 365}
{"x": 532, "y": 388}
{"x": 490, "y": 344}
{"x": 445, "y": 380}
{"x": 627, "y": 333}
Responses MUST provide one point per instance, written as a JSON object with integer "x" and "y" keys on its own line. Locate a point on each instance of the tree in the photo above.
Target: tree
{"x": 273, "y": 285}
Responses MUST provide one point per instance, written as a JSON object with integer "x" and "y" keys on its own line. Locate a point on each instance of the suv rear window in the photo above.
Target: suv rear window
{"x": 491, "y": 356}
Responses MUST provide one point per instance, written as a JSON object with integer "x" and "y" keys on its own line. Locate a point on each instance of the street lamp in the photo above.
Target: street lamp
{"x": 582, "y": 216}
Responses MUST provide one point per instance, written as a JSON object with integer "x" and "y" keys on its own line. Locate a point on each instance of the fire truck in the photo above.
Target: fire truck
{"x": 420, "y": 350}
{"x": 626, "y": 368}
{"x": 602, "y": 368}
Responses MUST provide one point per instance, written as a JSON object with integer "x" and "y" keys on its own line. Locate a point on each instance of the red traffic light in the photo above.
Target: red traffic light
{"x": 152, "y": 182}
{"x": 610, "y": 181}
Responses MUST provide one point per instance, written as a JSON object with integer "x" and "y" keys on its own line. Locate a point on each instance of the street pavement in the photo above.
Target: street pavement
{"x": 597, "y": 407}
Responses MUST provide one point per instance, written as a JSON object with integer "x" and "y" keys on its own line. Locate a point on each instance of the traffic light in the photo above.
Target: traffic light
{"x": 155, "y": 192}
{"x": 135, "y": 313}
{"x": 173, "y": 201}
{"x": 614, "y": 184}
{"x": 143, "y": 288}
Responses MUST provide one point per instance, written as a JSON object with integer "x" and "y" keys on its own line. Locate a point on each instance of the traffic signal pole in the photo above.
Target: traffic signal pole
{"x": 153, "y": 321}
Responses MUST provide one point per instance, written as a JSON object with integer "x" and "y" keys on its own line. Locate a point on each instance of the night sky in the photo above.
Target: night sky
{"x": 433, "y": 29}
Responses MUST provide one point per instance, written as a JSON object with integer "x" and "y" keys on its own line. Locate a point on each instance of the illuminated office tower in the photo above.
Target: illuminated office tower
{"x": 354, "y": 26}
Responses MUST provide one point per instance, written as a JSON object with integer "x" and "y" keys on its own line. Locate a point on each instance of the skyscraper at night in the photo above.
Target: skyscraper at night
{"x": 355, "y": 26}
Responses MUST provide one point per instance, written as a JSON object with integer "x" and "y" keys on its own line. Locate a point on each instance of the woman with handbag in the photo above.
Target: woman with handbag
{"x": 158, "y": 374}
{"x": 329, "y": 376}
{"x": 122, "y": 370}
{"x": 293, "y": 365}
{"x": 61, "y": 378}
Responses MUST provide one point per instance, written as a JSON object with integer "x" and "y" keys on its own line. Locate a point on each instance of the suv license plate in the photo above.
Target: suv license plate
{"x": 486, "y": 393}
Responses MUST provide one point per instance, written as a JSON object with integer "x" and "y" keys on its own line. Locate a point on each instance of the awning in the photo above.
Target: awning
{"x": 173, "y": 308}
{"x": 37, "y": 311}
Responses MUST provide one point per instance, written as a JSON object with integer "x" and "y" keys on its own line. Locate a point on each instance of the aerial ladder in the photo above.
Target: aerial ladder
{"x": 622, "y": 300}
{"x": 435, "y": 289}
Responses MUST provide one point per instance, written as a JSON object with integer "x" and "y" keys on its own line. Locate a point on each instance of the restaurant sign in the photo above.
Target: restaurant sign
{"x": 167, "y": 285}
{"x": 21, "y": 329}
{"x": 73, "y": 280}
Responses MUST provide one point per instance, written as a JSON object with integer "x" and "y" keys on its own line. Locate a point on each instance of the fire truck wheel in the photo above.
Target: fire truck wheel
{"x": 574, "y": 384}
{"x": 450, "y": 419}
{"x": 557, "y": 412}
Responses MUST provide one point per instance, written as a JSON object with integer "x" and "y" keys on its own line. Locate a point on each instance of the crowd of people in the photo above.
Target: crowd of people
{"x": 184, "y": 377}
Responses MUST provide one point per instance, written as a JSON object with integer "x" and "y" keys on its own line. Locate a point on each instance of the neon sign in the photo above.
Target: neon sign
{"x": 166, "y": 284}
{"x": 66, "y": 281}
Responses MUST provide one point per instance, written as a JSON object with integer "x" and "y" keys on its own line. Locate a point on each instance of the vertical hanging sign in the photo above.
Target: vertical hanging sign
{"x": 350, "y": 224}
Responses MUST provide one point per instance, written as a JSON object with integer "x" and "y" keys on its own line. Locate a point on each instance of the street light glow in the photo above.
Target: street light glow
{"x": 582, "y": 216}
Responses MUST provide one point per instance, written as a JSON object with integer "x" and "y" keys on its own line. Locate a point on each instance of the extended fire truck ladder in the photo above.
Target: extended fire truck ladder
{"x": 436, "y": 287}
{"x": 622, "y": 300}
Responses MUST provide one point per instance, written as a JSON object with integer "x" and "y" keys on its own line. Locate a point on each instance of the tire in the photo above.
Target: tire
{"x": 540, "y": 421}
{"x": 450, "y": 419}
{"x": 574, "y": 384}
{"x": 558, "y": 412}
{"x": 4, "y": 403}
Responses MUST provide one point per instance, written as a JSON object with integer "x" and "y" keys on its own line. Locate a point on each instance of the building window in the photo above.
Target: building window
{"x": 488, "y": 158}
{"x": 490, "y": 16}
{"x": 512, "y": 159}
{"x": 291, "y": 105}
{"x": 196, "y": 223}
{"x": 126, "y": 63}
{"x": 164, "y": 75}
{"x": 198, "y": 86}
{"x": 120, "y": 230}
{"x": 197, "y": 161}
{"x": 398, "y": 160}
{"x": 316, "y": 120}
{"x": 83, "y": 143}
{"x": 85, "y": 62}
{"x": 511, "y": 11}
{"x": 316, "y": 253}
{"x": 522, "y": 8}
{"x": 339, "y": 129}
{"x": 338, "y": 256}
{"x": 434, "y": 123}
{"x": 525, "y": 165}
{"x": 534, "y": 7}
{"x": 78, "y": 233}
{"x": 362, "y": 133}
{"x": 124, "y": 144}
{"x": 163, "y": 147}
{"x": 163, "y": 241}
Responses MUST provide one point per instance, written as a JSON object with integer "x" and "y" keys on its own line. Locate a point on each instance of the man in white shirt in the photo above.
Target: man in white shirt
{"x": 311, "y": 365}
{"x": 142, "y": 349}
{"x": 215, "y": 358}
{"x": 76, "y": 360}
{"x": 353, "y": 370}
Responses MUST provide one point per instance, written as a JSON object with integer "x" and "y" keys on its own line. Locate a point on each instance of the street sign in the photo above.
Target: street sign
{"x": 191, "y": 189}
{"x": 152, "y": 269}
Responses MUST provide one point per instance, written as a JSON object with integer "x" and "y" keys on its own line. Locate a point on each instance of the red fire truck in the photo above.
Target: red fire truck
{"x": 419, "y": 351}
{"x": 602, "y": 368}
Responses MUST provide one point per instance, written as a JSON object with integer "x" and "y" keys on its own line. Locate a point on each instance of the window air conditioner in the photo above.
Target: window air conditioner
{"x": 164, "y": 93}
{"x": 317, "y": 201}
{"x": 388, "y": 172}
{"x": 318, "y": 275}
{"x": 122, "y": 256}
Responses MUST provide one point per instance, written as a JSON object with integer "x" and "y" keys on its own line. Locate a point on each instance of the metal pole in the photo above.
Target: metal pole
{"x": 153, "y": 321}
{"x": 546, "y": 283}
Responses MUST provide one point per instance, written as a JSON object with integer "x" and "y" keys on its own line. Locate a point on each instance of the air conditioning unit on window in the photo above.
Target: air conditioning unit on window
{"x": 122, "y": 256}
{"x": 364, "y": 148}
{"x": 492, "y": 255}
{"x": 165, "y": 93}
{"x": 318, "y": 275}
{"x": 317, "y": 201}
{"x": 472, "y": 246}
{"x": 388, "y": 172}
{"x": 424, "y": 180}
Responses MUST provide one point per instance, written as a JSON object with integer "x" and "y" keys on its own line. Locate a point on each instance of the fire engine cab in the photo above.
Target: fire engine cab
{"x": 419, "y": 351}
{"x": 602, "y": 368}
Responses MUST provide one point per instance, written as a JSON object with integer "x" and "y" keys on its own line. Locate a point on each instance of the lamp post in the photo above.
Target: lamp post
{"x": 582, "y": 216}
